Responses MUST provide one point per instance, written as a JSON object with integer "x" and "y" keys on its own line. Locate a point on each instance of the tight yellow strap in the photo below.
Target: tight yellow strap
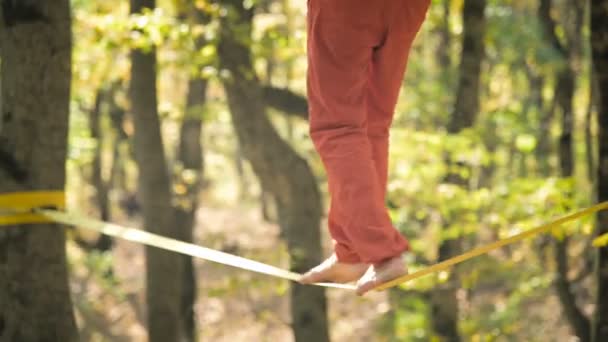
{"x": 18, "y": 206}
{"x": 149, "y": 239}
{"x": 492, "y": 246}
{"x": 21, "y": 208}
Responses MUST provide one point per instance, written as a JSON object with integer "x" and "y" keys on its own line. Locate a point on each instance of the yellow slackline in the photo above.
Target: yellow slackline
{"x": 154, "y": 240}
{"x": 19, "y": 206}
{"x": 34, "y": 207}
{"x": 475, "y": 252}
{"x": 30, "y": 207}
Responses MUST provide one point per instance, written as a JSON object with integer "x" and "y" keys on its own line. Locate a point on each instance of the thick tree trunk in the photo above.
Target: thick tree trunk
{"x": 164, "y": 269}
{"x": 280, "y": 170}
{"x": 444, "y": 304}
{"x": 35, "y": 52}
{"x": 599, "y": 48}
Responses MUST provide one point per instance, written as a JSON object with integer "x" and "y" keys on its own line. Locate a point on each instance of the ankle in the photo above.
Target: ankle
{"x": 384, "y": 262}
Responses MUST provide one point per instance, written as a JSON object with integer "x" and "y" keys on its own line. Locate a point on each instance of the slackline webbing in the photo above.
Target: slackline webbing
{"x": 34, "y": 207}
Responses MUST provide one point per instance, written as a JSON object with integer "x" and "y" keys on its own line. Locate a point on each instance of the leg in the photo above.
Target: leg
{"x": 343, "y": 35}
{"x": 388, "y": 68}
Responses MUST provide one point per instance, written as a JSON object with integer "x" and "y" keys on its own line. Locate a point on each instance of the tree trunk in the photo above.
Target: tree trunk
{"x": 104, "y": 242}
{"x": 164, "y": 269}
{"x": 190, "y": 158}
{"x": 564, "y": 96}
{"x": 189, "y": 176}
{"x": 444, "y": 304}
{"x": 599, "y": 48}
{"x": 280, "y": 170}
{"x": 445, "y": 39}
{"x": 578, "y": 321}
{"x": 122, "y": 151}
{"x": 35, "y": 52}
{"x": 589, "y": 146}
{"x": 545, "y": 117}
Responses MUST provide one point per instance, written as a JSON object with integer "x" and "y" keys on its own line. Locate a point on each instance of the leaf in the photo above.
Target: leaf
{"x": 525, "y": 143}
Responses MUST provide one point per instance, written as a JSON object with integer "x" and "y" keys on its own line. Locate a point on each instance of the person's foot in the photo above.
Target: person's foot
{"x": 332, "y": 270}
{"x": 379, "y": 274}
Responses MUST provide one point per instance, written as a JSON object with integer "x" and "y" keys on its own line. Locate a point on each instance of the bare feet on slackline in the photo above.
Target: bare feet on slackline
{"x": 379, "y": 274}
{"x": 368, "y": 276}
{"x": 331, "y": 270}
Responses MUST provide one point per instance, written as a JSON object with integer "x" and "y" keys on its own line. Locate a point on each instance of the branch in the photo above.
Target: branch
{"x": 286, "y": 101}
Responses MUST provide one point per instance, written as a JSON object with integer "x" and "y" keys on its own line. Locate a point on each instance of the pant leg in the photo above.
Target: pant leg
{"x": 389, "y": 61}
{"x": 342, "y": 36}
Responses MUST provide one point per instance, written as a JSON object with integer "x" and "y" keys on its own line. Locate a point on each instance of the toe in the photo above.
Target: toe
{"x": 313, "y": 276}
{"x": 367, "y": 282}
{"x": 366, "y": 286}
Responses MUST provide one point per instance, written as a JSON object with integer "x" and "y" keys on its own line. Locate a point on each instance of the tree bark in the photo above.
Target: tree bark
{"x": 564, "y": 96}
{"x": 35, "y": 52}
{"x": 164, "y": 269}
{"x": 280, "y": 170}
{"x": 578, "y": 321}
{"x": 545, "y": 119}
{"x": 589, "y": 119}
{"x": 444, "y": 304}
{"x": 599, "y": 51}
{"x": 445, "y": 40}
{"x": 122, "y": 150}
{"x": 189, "y": 176}
{"x": 190, "y": 158}
{"x": 104, "y": 242}
{"x": 466, "y": 107}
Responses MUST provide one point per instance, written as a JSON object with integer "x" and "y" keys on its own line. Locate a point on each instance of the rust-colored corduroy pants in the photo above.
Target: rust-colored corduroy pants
{"x": 357, "y": 54}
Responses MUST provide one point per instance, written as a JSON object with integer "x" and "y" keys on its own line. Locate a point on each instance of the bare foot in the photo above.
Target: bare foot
{"x": 331, "y": 270}
{"x": 377, "y": 275}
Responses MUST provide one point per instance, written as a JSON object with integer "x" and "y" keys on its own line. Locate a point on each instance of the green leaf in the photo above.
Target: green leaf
{"x": 525, "y": 143}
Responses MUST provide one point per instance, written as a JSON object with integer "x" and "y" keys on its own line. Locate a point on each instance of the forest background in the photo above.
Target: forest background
{"x": 188, "y": 118}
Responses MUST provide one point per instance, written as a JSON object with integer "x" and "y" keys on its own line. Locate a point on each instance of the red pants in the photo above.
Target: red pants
{"x": 357, "y": 54}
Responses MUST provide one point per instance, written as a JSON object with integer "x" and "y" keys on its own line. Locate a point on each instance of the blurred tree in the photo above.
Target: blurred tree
{"x": 35, "y": 53}
{"x": 163, "y": 268}
{"x": 564, "y": 97}
{"x": 444, "y": 304}
{"x": 102, "y": 186}
{"x": 599, "y": 47}
{"x": 189, "y": 171}
{"x": 281, "y": 171}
